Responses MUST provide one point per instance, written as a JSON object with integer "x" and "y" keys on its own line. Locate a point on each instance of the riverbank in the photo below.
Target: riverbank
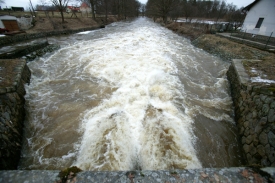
{"x": 54, "y": 24}
{"x": 228, "y": 50}
{"x": 46, "y": 27}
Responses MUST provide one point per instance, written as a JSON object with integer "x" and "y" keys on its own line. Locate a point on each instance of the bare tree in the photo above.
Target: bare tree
{"x": 189, "y": 9}
{"x": 93, "y": 4}
{"x": 103, "y": 7}
{"x": 222, "y": 10}
{"x": 32, "y": 9}
{"x": 124, "y": 8}
{"x": 43, "y": 7}
{"x": 161, "y": 8}
{"x": 106, "y": 8}
{"x": 234, "y": 16}
{"x": 61, "y": 6}
{"x": 121, "y": 8}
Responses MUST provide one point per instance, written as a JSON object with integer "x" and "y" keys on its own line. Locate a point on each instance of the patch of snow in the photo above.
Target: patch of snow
{"x": 254, "y": 70}
{"x": 2, "y": 35}
{"x": 260, "y": 80}
{"x": 201, "y": 21}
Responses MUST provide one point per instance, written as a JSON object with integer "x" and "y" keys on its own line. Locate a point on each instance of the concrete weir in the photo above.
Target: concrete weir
{"x": 255, "y": 132}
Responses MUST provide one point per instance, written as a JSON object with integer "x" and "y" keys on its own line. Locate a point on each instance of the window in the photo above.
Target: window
{"x": 259, "y": 23}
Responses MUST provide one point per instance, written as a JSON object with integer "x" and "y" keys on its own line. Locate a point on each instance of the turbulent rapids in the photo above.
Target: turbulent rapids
{"x": 131, "y": 96}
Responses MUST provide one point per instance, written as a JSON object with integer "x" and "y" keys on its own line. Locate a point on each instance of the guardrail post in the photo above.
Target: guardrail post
{"x": 268, "y": 40}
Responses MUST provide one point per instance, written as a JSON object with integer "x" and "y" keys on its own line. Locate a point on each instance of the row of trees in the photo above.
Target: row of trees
{"x": 217, "y": 9}
{"x": 122, "y": 8}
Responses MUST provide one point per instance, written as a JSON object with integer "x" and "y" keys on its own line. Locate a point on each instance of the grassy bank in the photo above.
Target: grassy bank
{"x": 49, "y": 24}
{"x": 189, "y": 30}
{"x": 52, "y": 21}
{"x": 227, "y": 49}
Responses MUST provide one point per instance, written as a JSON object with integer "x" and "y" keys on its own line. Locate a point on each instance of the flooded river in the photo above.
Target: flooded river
{"x": 131, "y": 96}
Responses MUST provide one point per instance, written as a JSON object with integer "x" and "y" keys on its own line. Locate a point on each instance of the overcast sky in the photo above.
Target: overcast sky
{"x": 25, "y": 3}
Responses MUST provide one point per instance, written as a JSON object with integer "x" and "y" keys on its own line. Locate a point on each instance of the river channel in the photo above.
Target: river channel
{"x": 131, "y": 96}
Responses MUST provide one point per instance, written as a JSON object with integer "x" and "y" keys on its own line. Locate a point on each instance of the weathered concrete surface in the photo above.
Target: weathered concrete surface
{"x": 233, "y": 175}
{"x": 28, "y": 51}
{"x": 23, "y": 37}
{"x": 23, "y": 50}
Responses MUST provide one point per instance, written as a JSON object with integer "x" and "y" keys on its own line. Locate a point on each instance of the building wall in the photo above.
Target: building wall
{"x": 24, "y": 22}
{"x": 263, "y": 9}
{"x": 85, "y": 10}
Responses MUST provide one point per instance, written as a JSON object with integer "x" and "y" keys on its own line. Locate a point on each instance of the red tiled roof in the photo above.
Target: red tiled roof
{"x": 84, "y": 5}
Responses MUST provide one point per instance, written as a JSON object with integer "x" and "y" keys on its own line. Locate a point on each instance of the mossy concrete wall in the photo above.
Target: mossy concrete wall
{"x": 30, "y": 51}
{"x": 23, "y": 50}
{"x": 255, "y": 115}
{"x": 14, "y": 73}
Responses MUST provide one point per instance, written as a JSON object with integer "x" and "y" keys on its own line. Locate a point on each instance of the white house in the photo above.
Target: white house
{"x": 260, "y": 18}
{"x": 85, "y": 8}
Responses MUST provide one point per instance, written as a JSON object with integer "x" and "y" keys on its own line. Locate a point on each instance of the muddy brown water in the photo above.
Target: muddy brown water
{"x": 131, "y": 96}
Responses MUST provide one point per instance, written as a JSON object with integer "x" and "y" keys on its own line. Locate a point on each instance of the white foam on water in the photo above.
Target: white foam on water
{"x": 84, "y": 32}
{"x": 139, "y": 126}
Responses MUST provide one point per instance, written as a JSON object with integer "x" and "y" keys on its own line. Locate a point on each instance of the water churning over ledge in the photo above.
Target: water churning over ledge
{"x": 132, "y": 96}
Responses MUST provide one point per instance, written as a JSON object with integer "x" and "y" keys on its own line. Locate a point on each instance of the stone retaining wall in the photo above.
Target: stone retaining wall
{"x": 13, "y": 75}
{"x": 255, "y": 115}
{"x": 23, "y": 37}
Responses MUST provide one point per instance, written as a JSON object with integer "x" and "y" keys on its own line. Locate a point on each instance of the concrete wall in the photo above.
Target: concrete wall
{"x": 263, "y": 9}
{"x": 24, "y": 22}
{"x": 23, "y": 37}
{"x": 254, "y": 114}
{"x": 14, "y": 74}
